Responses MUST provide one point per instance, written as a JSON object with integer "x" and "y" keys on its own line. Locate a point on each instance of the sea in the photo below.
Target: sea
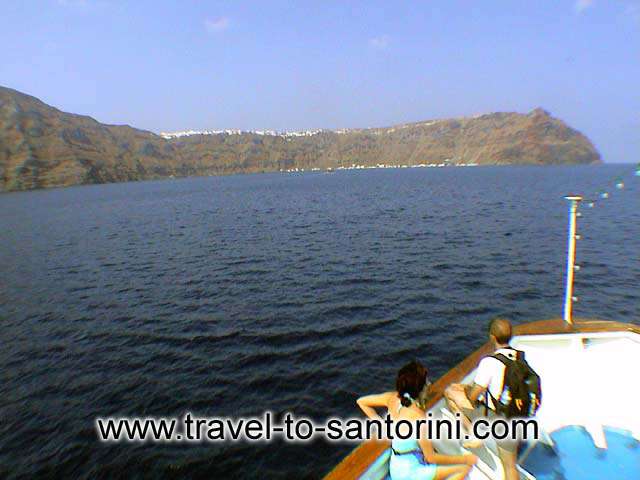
{"x": 233, "y": 296}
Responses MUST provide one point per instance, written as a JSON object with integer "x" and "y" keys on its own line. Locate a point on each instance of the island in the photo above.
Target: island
{"x": 43, "y": 147}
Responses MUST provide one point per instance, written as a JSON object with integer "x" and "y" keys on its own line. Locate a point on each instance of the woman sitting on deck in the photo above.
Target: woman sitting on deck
{"x": 414, "y": 459}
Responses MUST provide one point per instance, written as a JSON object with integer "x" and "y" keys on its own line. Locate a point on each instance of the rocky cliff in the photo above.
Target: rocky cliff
{"x": 41, "y": 146}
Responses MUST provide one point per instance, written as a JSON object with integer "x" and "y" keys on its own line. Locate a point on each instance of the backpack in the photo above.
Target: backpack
{"x": 521, "y": 394}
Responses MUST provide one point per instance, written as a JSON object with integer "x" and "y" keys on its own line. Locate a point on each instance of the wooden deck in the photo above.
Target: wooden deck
{"x": 357, "y": 462}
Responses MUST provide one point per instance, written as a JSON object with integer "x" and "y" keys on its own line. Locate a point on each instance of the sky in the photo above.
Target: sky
{"x": 296, "y": 65}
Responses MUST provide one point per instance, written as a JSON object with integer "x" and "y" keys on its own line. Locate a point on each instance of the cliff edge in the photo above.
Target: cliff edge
{"x": 42, "y": 147}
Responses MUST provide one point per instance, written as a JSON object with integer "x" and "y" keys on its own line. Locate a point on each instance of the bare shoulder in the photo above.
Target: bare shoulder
{"x": 393, "y": 401}
{"x": 377, "y": 400}
{"x": 415, "y": 414}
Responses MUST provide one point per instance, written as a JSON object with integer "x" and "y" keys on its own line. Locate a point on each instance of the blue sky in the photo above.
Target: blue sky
{"x": 294, "y": 65}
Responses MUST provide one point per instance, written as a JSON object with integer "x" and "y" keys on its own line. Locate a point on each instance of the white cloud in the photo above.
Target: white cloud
{"x": 380, "y": 43}
{"x": 217, "y": 25}
{"x": 582, "y": 5}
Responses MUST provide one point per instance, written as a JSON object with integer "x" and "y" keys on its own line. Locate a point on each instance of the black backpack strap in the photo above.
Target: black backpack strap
{"x": 487, "y": 394}
{"x": 502, "y": 358}
{"x": 519, "y": 353}
{"x": 506, "y": 360}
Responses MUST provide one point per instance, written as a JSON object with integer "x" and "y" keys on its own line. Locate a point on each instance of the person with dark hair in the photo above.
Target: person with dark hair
{"x": 413, "y": 459}
{"x": 488, "y": 384}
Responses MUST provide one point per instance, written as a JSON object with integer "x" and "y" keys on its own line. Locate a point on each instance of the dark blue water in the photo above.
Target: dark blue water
{"x": 231, "y": 296}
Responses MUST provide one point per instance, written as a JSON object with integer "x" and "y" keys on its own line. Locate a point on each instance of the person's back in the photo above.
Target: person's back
{"x": 490, "y": 374}
{"x": 488, "y": 384}
{"x": 407, "y": 460}
{"x": 413, "y": 459}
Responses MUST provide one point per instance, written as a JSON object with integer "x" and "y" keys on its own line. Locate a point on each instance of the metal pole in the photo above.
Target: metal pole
{"x": 571, "y": 256}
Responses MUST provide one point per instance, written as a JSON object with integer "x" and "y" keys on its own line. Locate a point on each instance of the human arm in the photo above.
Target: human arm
{"x": 474, "y": 392}
{"x": 369, "y": 403}
{"x": 486, "y": 370}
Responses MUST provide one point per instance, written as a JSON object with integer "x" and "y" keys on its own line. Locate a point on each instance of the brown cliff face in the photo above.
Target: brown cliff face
{"x": 41, "y": 146}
